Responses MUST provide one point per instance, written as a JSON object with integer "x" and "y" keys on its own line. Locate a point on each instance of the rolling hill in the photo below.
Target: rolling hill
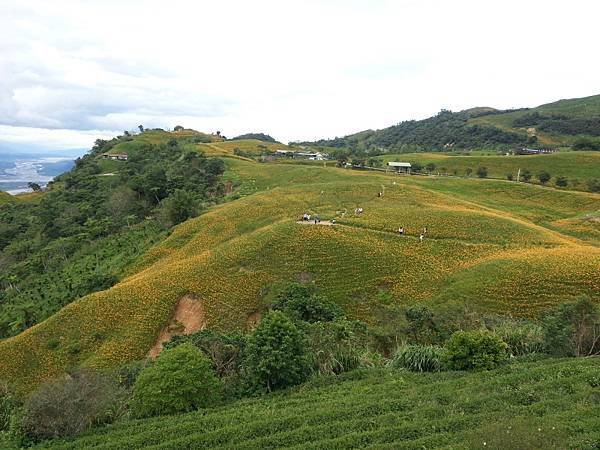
{"x": 557, "y": 124}
{"x": 491, "y": 246}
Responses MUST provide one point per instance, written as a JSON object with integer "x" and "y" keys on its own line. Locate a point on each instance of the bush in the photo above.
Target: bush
{"x": 276, "y": 355}
{"x": 482, "y": 172}
{"x": 300, "y": 303}
{"x": 225, "y": 350}
{"x": 561, "y": 181}
{"x": 418, "y": 358}
{"x": 593, "y": 184}
{"x": 475, "y": 350}
{"x": 180, "y": 380}
{"x": 337, "y": 346}
{"x": 573, "y": 329}
{"x": 421, "y": 324}
{"x": 8, "y": 403}
{"x": 509, "y": 176}
{"x": 522, "y": 338}
{"x": 544, "y": 177}
{"x": 72, "y": 405}
{"x": 526, "y": 176}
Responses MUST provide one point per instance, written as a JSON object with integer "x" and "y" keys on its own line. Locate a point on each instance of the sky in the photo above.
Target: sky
{"x": 74, "y": 71}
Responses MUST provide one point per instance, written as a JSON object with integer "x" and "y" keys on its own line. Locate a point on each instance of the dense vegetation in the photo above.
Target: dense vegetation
{"x": 94, "y": 221}
{"x": 567, "y": 123}
{"x": 258, "y": 136}
{"x": 289, "y": 347}
{"x": 444, "y": 131}
{"x": 560, "y": 124}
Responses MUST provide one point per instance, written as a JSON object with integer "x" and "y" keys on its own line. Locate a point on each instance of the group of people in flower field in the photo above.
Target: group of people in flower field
{"x": 307, "y": 217}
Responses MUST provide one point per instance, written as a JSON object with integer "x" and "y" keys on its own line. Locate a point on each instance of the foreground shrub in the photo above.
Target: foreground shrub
{"x": 475, "y": 350}
{"x": 418, "y": 358}
{"x": 337, "y": 346}
{"x": 225, "y": 350}
{"x": 573, "y": 329}
{"x": 180, "y": 380}
{"x": 276, "y": 354}
{"x": 522, "y": 338}
{"x": 72, "y": 405}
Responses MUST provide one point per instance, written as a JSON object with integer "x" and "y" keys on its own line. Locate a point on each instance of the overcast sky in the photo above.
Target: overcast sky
{"x": 71, "y": 71}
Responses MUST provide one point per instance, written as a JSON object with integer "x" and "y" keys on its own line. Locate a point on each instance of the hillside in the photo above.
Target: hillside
{"x": 545, "y": 404}
{"x": 576, "y": 167}
{"x": 79, "y": 235}
{"x": 560, "y": 124}
{"x": 481, "y": 234}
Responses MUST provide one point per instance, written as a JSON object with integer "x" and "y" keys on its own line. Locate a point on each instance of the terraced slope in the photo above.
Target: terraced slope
{"x": 545, "y": 404}
{"x": 490, "y": 245}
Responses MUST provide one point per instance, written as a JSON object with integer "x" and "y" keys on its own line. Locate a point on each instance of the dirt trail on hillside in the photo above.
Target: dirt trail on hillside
{"x": 188, "y": 318}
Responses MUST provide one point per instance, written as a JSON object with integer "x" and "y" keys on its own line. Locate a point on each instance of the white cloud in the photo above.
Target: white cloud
{"x": 298, "y": 70}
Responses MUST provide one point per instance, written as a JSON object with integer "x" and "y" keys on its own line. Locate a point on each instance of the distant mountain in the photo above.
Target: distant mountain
{"x": 565, "y": 123}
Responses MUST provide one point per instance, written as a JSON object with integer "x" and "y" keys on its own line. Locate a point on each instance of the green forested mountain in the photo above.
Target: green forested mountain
{"x": 573, "y": 123}
{"x": 79, "y": 236}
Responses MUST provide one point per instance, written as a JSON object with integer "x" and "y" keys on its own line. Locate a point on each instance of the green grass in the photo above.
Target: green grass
{"x": 580, "y": 166}
{"x": 540, "y": 404}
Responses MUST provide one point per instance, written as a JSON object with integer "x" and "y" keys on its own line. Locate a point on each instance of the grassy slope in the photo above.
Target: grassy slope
{"x": 544, "y": 404}
{"x": 573, "y": 165}
{"x": 230, "y": 253}
{"x": 577, "y": 107}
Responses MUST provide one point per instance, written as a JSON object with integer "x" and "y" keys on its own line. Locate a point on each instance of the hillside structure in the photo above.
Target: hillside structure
{"x": 115, "y": 156}
{"x": 403, "y": 167}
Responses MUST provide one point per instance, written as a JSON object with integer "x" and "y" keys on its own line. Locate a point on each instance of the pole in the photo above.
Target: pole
{"x": 518, "y": 175}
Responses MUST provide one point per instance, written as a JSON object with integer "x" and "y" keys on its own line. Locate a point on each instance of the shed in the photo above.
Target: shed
{"x": 400, "y": 166}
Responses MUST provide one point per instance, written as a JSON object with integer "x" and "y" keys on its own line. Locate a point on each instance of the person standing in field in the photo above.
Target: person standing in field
{"x": 421, "y": 236}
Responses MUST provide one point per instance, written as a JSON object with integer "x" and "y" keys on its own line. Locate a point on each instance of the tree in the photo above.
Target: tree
{"x": 573, "y": 329}
{"x": 430, "y": 167}
{"x": 178, "y": 128}
{"x": 482, "y": 172}
{"x": 141, "y": 128}
{"x": 180, "y": 380}
{"x": 416, "y": 167}
{"x": 300, "y": 303}
{"x": 526, "y": 175}
{"x": 475, "y": 350}
{"x": 544, "y": 177}
{"x": 34, "y": 186}
{"x": 179, "y": 206}
{"x": 71, "y": 405}
{"x": 469, "y": 171}
{"x": 276, "y": 355}
{"x": 593, "y": 184}
{"x": 561, "y": 181}
{"x": 509, "y": 176}
{"x": 421, "y": 324}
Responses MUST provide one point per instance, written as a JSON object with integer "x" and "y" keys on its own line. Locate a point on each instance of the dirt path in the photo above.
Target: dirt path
{"x": 312, "y": 222}
{"x": 187, "y": 318}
